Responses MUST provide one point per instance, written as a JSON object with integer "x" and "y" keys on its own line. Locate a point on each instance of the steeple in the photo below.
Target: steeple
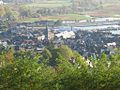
{"x": 46, "y": 32}
{"x": 46, "y": 40}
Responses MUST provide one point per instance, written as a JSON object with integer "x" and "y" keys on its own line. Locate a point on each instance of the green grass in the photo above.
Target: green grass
{"x": 77, "y": 16}
{"x": 28, "y": 20}
{"x": 55, "y": 18}
{"x": 66, "y": 17}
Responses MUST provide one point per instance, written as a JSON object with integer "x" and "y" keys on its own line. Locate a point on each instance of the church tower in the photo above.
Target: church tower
{"x": 49, "y": 35}
{"x": 46, "y": 33}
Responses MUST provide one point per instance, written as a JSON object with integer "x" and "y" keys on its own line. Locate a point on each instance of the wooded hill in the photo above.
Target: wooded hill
{"x": 54, "y": 70}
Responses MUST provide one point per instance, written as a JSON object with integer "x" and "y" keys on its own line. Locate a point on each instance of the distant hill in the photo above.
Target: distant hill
{"x": 29, "y": 1}
{"x": 38, "y": 1}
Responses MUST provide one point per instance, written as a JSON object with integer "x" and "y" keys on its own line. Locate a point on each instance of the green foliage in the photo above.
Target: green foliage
{"x": 25, "y": 12}
{"x": 25, "y": 73}
{"x": 65, "y": 51}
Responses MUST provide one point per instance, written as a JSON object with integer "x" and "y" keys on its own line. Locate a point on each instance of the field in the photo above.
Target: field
{"x": 28, "y": 20}
{"x": 66, "y": 17}
{"x": 55, "y": 18}
{"x": 112, "y": 10}
{"x": 48, "y": 4}
{"x": 108, "y": 10}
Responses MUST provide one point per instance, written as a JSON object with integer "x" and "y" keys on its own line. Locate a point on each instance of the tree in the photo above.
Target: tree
{"x": 25, "y": 73}
{"x": 24, "y": 12}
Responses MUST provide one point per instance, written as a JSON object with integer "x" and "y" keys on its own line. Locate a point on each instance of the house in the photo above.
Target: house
{"x": 4, "y": 43}
{"x": 68, "y": 22}
{"x": 111, "y": 44}
{"x": 51, "y": 35}
{"x": 66, "y": 34}
{"x": 41, "y": 38}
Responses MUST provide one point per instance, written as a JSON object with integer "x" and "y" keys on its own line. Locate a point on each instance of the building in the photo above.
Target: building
{"x": 48, "y": 34}
{"x": 66, "y": 34}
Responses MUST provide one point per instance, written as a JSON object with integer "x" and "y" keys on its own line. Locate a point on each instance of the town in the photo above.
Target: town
{"x": 59, "y": 44}
{"x": 88, "y": 37}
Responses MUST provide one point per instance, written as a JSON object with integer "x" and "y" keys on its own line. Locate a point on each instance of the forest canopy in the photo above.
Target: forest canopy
{"x": 53, "y": 70}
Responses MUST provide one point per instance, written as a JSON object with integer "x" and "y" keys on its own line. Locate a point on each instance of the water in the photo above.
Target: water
{"x": 68, "y": 28}
{"x": 101, "y": 27}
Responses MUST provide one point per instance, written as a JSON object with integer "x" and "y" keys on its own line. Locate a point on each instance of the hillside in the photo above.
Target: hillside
{"x": 34, "y": 10}
{"x": 57, "y": 69}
